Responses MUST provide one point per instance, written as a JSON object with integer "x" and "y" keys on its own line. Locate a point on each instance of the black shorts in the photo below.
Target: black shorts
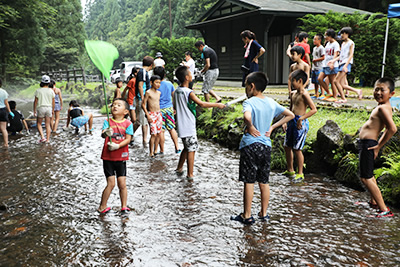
{"x": 3, "y": 114}
{"x": 255, "y": 163}
{"x": 114, "y": 168}
{"x": 366, "y": 157}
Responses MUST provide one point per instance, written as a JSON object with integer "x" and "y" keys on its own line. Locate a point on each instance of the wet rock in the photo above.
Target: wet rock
{"x": 350, "y": 143}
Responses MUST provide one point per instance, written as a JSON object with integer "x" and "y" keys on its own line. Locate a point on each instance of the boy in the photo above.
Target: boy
{"x": 191, "y": 66}
{"x": 151, "y": 107}
{"x": 297, "y": 128}
{"x": 318, "y": 57}
{"x": 115, "y": 154}
{"x": 186, "y": 120}
{"x": 297, "y": 53}
{"x": 255, "y": 146}
{"x": 45, "y": 103}
{"x": 142, "y": 84}
{"x": 167, "y": 111}
{"x": 117, "y": 91}
{"x": 130, "y": 87}
{"x": 17, "y": 121}
{"x": 303, "y": 42}
{"x": 381, "y": 117}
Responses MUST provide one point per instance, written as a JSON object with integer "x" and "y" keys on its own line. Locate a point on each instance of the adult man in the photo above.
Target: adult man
{"x": 210, "y": 70}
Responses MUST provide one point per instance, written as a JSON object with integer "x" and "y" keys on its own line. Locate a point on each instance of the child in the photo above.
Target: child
{"x": 117, "y": 132}
{"x": 330, "y": 65}
{"x": 186, "y": 120}
{"x": 17, "y": 121}
{"x": 345, "y": 62}
{"x": 77, "y": 117}
{"x": 142, "y": 84}
{"x": 297, "y": 128}
{"x": 151, "y": 107}
{"x": 303, "y": 42}
{"x": 318, "y": 57}
{"x": 130, "y": 87}
{"x": 255, "y": 146}
{"x": 167, "y": 111}
{"x": 191, "y": 66}
{"x": 45, "y": 103}
{"x": 4, "y": 112}
{"x": 117, "y": 91}
{"x": 58, "y": 103}
{"x": 297, "y": 53}
{"x": 381, "y": 117}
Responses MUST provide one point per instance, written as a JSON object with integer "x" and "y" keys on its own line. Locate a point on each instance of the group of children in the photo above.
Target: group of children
{"x": 329, "y": 65}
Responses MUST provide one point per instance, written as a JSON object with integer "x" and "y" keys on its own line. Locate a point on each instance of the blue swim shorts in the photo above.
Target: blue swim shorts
{"x": 348, "y": 67}
{"x": 314, "y": 76}
{"x": 328, "y": 70}
{"x": 79, "y": 121}
{"x": 296, "y": 138}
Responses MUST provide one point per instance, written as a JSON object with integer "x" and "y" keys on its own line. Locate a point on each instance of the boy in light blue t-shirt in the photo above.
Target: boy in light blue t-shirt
{"x": 255, "y": 146}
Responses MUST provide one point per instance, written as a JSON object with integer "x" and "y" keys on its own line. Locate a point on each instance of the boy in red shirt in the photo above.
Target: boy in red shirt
{"x": 115, "y": 153}
{"x": 303, "y": 42}
{"x": 130, "y": 87}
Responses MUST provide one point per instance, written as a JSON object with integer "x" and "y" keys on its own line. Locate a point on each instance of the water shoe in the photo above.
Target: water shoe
{"x": 125, "y": 210}
{"x": 105, "y": 210}
{"x": 263, "y": 218}
{"x": 299, "y": 178}
{"x": 239, "y": 218}
{"x": 289, "y": 174}
{"x": 382, "y": 214}
{"x": 177, "y": 151}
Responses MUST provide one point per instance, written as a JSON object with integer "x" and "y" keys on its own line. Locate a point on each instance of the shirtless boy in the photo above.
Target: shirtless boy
{"x": 381, "y": 118}
{"x": 297, "y": 53}
{"x": 151, "y": 108}
{"x": 296, "y": 129}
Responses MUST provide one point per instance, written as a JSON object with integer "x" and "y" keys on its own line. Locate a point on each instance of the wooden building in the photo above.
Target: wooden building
{"x": 273, "y": 21}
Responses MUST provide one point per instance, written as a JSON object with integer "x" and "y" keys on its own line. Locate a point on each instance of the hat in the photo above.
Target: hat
{"x": 158, "y": 54}
{"x": 45, "y": 79}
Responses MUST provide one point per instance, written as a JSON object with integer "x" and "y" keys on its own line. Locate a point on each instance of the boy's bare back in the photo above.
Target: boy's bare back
{"x": 152, "y": 99}
{"x": 381, "y": 117}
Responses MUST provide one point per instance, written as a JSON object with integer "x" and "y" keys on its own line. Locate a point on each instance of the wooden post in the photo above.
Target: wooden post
{"x": 75, "y": 79}
{"x": 83, "y": 76}
{"x": 67, "y": 74}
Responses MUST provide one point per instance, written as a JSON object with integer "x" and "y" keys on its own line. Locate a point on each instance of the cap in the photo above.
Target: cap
{"x": 45, "y": 79}
{"x": 158, "y": 54}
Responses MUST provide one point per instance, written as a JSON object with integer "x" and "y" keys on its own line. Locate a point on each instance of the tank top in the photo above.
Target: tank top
{"x": 345, "y": 52}
{"x": 75, "y": 112}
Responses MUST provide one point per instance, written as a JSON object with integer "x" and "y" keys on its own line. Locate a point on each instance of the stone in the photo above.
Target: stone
{"x": 350, "y": 143}
{"x": 330, "y": 136}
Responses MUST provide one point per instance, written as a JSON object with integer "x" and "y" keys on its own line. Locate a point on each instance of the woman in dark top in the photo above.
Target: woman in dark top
{"x": 78, "y": 118}
{"x": 253, "y": 51}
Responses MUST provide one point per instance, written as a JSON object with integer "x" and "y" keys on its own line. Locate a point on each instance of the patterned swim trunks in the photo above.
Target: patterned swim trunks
{"x": 79, "y": 121}
{"x": 156, "y": 125}
{"x": 168, "y": 118}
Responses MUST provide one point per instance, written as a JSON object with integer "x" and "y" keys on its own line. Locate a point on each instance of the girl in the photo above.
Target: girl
{"x": 78, "y": 118}
{"x": 330, "y": 65}
{"x": 130, "y": 87}
{"x": 253, "y": 51}
{"x": 4, "y": 112}
{"x": 345, "y": 62}
{"x": 58, "y": 103}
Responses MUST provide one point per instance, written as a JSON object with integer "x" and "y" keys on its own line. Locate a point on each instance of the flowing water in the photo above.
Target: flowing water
{"x": 50, "y": 193}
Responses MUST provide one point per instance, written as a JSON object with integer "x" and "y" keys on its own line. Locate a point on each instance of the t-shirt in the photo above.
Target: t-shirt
{"x": 131, "y": 90}
{"x": 45, "y": 97}
{"x": 16, "y": 122}
{"x": 330, "y": 50}
{"x": 306, "y": 49}
{"x": 120, "y": 129}
{"x": 3, "y": 96}
{"x": 254, "y": 49}
{"x": 318, "y": 52}
{"x": 185, "y": 119}
{"x": 166, "y": 88}
{"x": 345, "y": 52}
{"x": 142, "y": 76}
{"x": 191, "y": 65}
{"x": 159, "y": 62}
{"x": 263, "y": 111}
{"x": 208, "y": 52}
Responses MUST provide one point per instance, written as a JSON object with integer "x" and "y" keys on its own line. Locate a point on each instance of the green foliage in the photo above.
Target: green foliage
{"x": 368, "y": 36}
{"x": 389, "y": 179}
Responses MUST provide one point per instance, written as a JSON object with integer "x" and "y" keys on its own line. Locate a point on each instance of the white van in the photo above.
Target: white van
{"x": 126, "y": 69}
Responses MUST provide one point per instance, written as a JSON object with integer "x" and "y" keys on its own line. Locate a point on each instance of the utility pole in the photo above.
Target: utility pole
{"x": 170, "y": 20}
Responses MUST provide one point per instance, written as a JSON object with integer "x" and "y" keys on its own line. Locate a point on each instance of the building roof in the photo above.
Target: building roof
{"x": 228, "y": 9}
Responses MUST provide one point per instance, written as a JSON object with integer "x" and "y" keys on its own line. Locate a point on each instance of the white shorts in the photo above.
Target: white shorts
{"x": 132, "y": 107}
{"x": 209, "y": 79}
{"x": 44, "y": 112}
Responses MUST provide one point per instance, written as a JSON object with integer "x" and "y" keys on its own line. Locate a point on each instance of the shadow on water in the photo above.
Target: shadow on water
{"x": 50, "y": 193}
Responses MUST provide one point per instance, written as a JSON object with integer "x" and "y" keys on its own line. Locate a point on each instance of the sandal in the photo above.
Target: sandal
{"x": 125, "y": 210}
{"x": 261, "y": 218}
{"x": 43, "y": 140}
{"x": 239, "y": 218}
{"x": 105, "y": 210}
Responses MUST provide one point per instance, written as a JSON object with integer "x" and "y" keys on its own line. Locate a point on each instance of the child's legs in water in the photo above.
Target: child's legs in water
{"x": 39, "y": 127}
{"x": 264, "y": 189}
{"x": 90, "y": 115}
{"x": 190, "y": 163}
{"x": 48, "y": 127}
{"x": 248, "y": 193}
{"x": 56, "y": 119}
{"x": 375, "y": 192}
{"x": 182, "y": 159}
{"x": 152, "y": 144}
{"x": 3, "y": 128}
{"x": 300, "y": 160}
{"x": 123, "y": 192}
{"x": 289, "y": 158}
{"x": 107, "y": 192}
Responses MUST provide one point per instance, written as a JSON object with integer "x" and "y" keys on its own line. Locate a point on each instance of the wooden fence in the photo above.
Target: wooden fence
{"x": 72, "y": 74}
